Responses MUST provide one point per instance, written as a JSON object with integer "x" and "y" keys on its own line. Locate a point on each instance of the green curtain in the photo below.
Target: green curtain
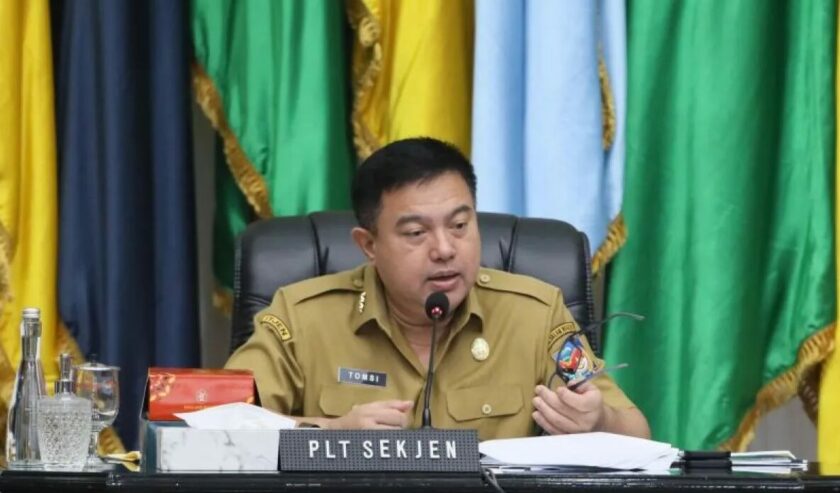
{"x": 728, "y": 202}
{"x": 272, "y": 77}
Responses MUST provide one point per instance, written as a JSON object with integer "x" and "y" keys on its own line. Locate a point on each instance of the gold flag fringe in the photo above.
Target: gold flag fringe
{"x": 250, "y": 182}
{"x": 7, "y": 373}
{"x": 6, "y": 248}
{"x": 109, "y": 442}
{"x": 607, "y": 102}
{"x": 616, "y": 237}
{"x": 367, "y": 64}
{"x": 775, "y": 393}
{"x": 247, "y": 178}
{"x": 223, "y": 300}
{"x": 809, "y": 390}
{"x": 617, "y": 230}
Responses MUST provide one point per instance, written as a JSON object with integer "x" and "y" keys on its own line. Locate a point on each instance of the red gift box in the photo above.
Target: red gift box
{"x": 179, "y": 390}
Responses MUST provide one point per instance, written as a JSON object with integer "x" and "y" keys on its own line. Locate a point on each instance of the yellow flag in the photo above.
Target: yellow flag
{"x": 412, "y": 71}
{"x": 28, "y": 196}
{"x": 828, "y": 424}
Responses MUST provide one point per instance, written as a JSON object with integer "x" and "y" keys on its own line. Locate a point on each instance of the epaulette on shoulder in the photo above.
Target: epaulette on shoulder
{"x": 316, "y": 286}
{"x": 499, "y": 280}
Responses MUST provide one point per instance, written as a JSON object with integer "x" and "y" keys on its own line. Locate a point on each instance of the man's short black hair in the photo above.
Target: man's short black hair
{"x": 402, "y": 163}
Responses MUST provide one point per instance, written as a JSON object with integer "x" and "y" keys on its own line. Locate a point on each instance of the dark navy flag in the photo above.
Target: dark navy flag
{"x": 127, "y": 251}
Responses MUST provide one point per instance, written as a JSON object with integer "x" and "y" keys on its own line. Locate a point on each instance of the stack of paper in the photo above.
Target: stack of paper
{"x": 236, "y": 416}
{"x": 768, "y": 462}
{"x": 764, "y": 458}
{"x": 597, "y": 449}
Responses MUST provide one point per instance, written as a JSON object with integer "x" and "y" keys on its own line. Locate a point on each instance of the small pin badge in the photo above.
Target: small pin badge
{"x": 480, "y": 349}
{"x": 362, "y": 301}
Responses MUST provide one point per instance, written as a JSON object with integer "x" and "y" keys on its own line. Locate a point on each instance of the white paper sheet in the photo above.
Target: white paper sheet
{"x": 236, "y": 416}
{"x": 583, "y": 449}
{"x": 764, "y": 458}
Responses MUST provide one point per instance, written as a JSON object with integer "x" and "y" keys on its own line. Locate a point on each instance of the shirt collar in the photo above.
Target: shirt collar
{"x": 371, "y": 304}
{"x": 469, "y": 308}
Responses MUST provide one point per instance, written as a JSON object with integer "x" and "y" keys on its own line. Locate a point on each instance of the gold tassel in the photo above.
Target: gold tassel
{"x": 812, "y": 352}
{"x": 367, "y": 64}
{"x": 249, "y": 180}
{"x": 109, "y": 442}
{"x": 809, "y": 391}
{"x": 616, "y": 238}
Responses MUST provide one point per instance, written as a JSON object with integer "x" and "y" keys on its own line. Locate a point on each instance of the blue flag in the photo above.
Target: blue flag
{"x": 127, "y": 244}
{"x": 548, "y": 110}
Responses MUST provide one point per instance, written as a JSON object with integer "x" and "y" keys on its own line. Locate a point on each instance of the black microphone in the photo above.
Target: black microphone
{"x": 437, "y": 307}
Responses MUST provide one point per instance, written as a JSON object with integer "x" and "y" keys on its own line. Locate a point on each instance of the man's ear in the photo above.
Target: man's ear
{"x": 364, "y": 240}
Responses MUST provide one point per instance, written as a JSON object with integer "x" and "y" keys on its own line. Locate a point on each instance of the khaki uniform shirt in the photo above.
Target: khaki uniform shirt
{"x": 328, "y": 343}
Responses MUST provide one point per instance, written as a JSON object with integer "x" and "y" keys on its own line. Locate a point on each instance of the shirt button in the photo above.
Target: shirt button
{"x": 484, "y": 278}
{"x": 358, "y": 283}
{"x": 486, "y": 409}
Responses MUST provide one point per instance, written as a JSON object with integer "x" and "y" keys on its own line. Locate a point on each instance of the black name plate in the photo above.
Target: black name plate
{"x": 425, "y": 450}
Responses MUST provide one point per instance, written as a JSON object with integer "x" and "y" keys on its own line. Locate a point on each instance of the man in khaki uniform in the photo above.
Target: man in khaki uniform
{"x": 351, "y": 350}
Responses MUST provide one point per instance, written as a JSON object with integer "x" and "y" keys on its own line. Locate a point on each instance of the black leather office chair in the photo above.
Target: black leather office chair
{"x": 279, "y": 251}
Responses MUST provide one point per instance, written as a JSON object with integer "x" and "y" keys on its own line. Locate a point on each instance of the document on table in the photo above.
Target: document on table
{"x": 593, "y": 450}
{"x": 763, "y": 458}
{"x": 767, "y": 462}
{"x": 236, "y": 416}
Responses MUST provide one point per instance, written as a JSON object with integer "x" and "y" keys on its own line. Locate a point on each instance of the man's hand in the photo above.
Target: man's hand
{"x": 379, "y": 415}
{"x": 569, "y": 411}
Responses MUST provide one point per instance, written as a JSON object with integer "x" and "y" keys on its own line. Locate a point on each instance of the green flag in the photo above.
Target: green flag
{"x": 272, "y": 78}
{"x": 728, "y": 202}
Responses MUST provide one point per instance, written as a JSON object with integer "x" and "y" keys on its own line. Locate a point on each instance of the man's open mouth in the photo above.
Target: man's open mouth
{"x": 443, "y": 276}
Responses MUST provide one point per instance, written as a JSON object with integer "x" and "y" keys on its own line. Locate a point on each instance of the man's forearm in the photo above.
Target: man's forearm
{"x": 628, "y": 421}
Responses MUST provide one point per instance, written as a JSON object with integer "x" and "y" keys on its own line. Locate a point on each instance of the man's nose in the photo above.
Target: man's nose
{"x": 443, "y": 248}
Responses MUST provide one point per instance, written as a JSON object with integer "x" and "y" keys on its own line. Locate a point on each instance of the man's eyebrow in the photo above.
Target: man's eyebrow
{"x": 411, "y": 218}
{"x": 417, "y": 218}
{"x": 460, "y": 210}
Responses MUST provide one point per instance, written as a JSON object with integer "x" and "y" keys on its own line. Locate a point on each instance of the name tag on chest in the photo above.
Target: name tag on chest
{"x": 362, "y": 377}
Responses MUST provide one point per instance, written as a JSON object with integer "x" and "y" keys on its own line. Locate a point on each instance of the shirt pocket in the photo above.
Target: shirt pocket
{"x": 338, "y": 399}
{"x": 485, "y": 401}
